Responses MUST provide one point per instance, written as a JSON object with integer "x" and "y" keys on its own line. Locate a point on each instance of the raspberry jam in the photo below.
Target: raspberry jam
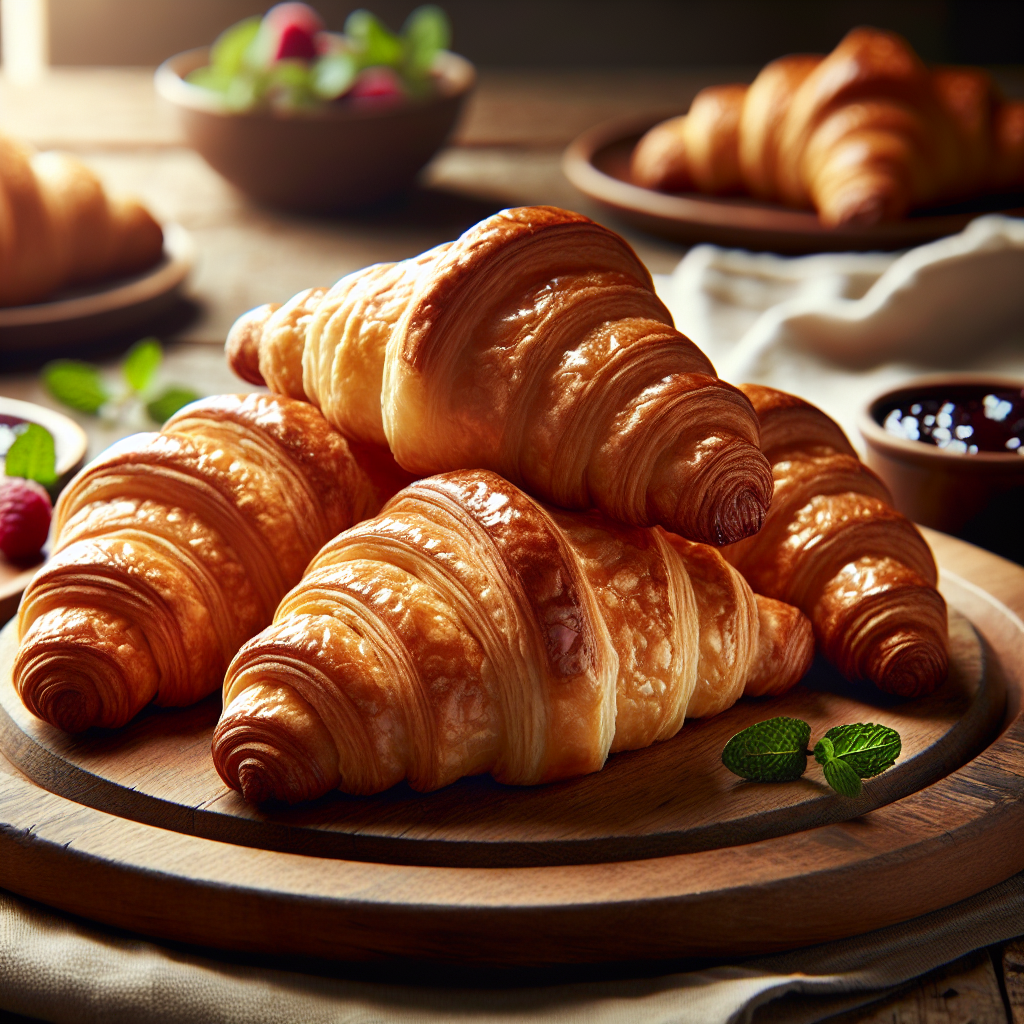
{"x": 967, "y": 418}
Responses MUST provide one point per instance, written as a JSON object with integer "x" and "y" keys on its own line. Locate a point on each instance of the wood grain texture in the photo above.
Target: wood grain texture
{"x": 932, "y": 848}
{"x": 1013, "y": 978}
{"x": 673, "y": 797}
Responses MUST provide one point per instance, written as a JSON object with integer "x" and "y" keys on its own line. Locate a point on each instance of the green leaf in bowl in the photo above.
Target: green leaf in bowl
{"x": 333, "y": 75}
{"x": 374, "y": 42}
{"x": 426, "y": 32}
{"x": 33, "y": 456}
{"x": 231, "y": 50}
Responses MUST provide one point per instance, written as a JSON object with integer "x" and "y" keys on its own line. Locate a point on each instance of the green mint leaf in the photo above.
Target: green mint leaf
{"x": 75, "y": 384}
{"x": 229, "y": 53}
{"x": 165, "y": 405}
{"x": 770, "y": 751}
{"x": 867, "y": 748}
{"x": 141, "y": 363}
{"x": 375, "y": 44}
{"x": 333, "y": 75}
{"x": 841, "y": 777}
{"x": 32, "y": 456}
{"x": 426, "y": 32}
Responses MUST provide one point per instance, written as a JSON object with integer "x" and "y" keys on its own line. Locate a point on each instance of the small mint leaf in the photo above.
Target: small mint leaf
{"x": 165, "y": 405}
{"x": 141, "y": 363}
{"x": 771, "y": 751}
{"x": 33, "y": 456}
{"x": 76, "y": 384}
{"x": 841, "y": 777}
{"x": 824, "y": 751}
{"x": 867, "y": 748}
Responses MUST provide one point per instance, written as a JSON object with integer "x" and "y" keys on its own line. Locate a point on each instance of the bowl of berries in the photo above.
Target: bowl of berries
{"x": 303, "y": 119}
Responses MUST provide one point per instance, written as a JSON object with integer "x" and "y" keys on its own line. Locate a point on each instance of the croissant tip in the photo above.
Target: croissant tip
{"x": 255, "y": 782}
{"x": 908, "y": 667}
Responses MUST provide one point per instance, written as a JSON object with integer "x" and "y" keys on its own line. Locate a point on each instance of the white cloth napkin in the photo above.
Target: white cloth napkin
{"x": 838, "y": 328}
{"x": 57, "y": 969}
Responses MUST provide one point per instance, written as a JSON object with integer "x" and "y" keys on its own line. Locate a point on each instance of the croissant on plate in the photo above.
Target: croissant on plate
{"x": 834, "y": 546}
{"x": 58, "y": 226}
{"x": 863, "y": 135}
{"x": 470, "y": 629}
{"x": 534, "y": 346}
{"x": 172, "y": 549}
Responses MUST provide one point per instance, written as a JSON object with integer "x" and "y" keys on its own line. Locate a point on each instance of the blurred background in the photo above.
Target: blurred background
{"x": 572, "y": 33}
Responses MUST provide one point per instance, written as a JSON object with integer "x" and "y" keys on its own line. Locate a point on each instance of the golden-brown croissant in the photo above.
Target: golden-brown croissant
{"x": 863, "y": 135}
{"x": 535, "y": 346}
{"x": 172, "y": 549}
{"x": 58, "y": 227}
{"x": 834, "y": 546}
{"x": 469, "y": 629}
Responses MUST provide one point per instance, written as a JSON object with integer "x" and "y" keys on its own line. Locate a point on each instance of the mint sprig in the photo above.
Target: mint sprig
{"x": 81, "y": 386}
{"x": 33, "y": 456}
{"x": 776, "y": 751}
{"x": 771, "y": 751}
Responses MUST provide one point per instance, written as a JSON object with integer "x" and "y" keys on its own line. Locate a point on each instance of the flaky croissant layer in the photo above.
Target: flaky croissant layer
{"x": 863, "y": 135}
{"x": 834, "y": 546}
{"x": 469, "y": 629}
{"x": 173, "y": 548}
{"x": 534, "y": 346}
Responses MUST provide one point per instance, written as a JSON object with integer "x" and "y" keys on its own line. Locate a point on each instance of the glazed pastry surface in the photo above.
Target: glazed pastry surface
{"x": 862, "y": 135}
{"x": 172, "y": 549}
{"x": 834, "y": 546}
{"x": 58, "y": 226}
{"x": 534, "y": 346}
{"x": 469, "y": 629}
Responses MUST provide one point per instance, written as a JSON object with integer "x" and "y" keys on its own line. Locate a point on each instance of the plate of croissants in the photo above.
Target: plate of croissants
{"x": 864, "y": 148}
{"x": 77, "y": 262}
{"x": 432, "y": 648}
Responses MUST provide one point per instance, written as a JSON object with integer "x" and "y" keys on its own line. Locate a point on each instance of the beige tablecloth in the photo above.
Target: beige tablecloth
{"x": 60, "y": 970}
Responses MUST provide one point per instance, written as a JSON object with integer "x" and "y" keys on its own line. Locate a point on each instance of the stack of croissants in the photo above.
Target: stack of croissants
{"x": 495, "y": 515}
{"x": 863, "y": 135}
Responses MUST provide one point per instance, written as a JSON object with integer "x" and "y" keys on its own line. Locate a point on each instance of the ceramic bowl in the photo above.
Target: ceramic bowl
{"x": 331, "y": 159}
{"x": 950, "y": 491}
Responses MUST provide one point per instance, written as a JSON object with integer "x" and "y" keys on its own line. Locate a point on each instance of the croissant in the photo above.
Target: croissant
{"x": 58, "y": 227}
{"x": 469, "y": 629}
{"x": 533, "y": 346}
{"x": 834, "y": 546}
{"x": 863, "y": 135}
{"x": 172, "y": 549}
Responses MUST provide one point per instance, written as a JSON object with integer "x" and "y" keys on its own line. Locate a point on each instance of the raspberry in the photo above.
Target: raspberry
{"x": 24, "y": 517}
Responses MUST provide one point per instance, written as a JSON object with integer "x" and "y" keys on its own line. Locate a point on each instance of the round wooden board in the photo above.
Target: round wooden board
{"x": 674, "y": 797}
{"x": 927, "y": 849}
{"x": 597, "y": 163}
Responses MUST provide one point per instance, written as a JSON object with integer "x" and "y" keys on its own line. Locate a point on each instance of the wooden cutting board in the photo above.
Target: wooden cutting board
{"x": 662, "y": 854}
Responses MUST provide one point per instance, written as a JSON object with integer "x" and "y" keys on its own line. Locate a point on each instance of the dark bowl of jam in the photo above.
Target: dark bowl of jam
{"x": 951, "y": 450}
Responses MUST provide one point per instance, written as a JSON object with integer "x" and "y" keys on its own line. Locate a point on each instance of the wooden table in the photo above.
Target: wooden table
{"x": 506, "y": 152}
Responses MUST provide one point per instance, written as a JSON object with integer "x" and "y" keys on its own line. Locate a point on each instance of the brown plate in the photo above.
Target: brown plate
{"x": 84, "y": 314}
{"x": 597, "y": 163}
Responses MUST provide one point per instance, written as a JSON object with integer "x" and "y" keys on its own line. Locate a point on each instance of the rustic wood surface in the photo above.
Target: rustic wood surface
{"x": 674, "y": 797}
{"x": 934, "y": 847}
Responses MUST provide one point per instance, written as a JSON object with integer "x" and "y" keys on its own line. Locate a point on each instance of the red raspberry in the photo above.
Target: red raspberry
{"x": 24, "y": 517}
